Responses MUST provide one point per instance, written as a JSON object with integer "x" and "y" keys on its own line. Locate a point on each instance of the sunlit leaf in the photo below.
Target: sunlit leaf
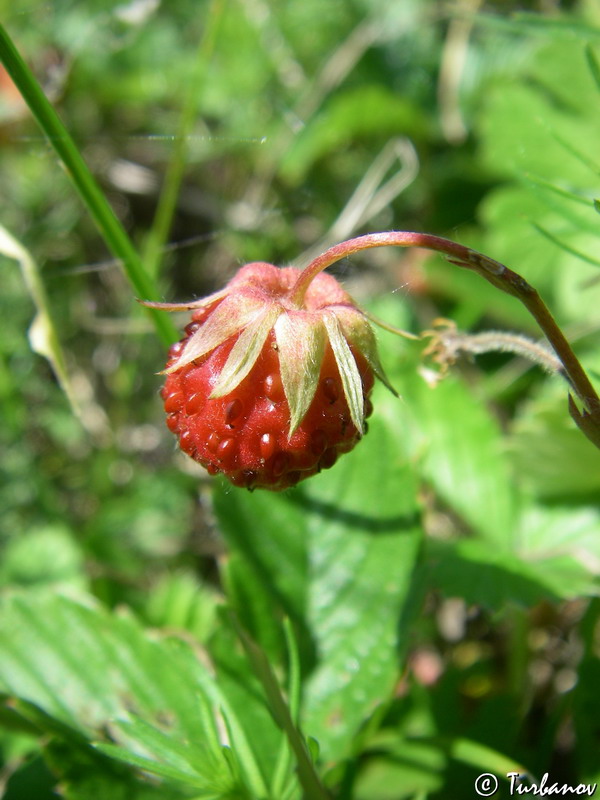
{"x": 92, "y": 671}
{"x": 463, "y": 457}
{"x": 341, "y": 569}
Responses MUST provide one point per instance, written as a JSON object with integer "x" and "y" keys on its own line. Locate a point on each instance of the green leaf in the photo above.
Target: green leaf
{"x": 545, "y": 127}
{"x": 31, "y": 779}
{"x": 155, "y": 696}
{"x": 84, "y": 773}
{"x": 44, "y": 556}
{"x": 281, "y": 713}
{"x": 267, "y": 570}
{"x": 560, "y": 26}
{"x": 410, "y": 768}
{"x": 470, "y": 569}
{"x": 337, "y": 557}
{"x": 561, "y": 191}
{"x": 357, "y": 113}
{"x": 566, "y": 247}
{"x": 162, "y": 754}
{"x": 594, "y": 64}
{"x": 180, "y": 601}
{"x": 244, "y": 693}
{"x": 463, "y": 457}
{"x": 586, "y": 699}
{"x": 364, "y": 532}
{"x": 484, "y": 758}
{"x": 284, "y": 761}
{"x": 551, "y": 458}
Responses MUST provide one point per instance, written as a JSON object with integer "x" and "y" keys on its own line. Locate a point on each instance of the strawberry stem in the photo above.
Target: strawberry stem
{"x": 499, "y": 276}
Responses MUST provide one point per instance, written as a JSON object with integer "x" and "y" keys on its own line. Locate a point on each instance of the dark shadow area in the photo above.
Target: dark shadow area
{"x": 368, "y": 523}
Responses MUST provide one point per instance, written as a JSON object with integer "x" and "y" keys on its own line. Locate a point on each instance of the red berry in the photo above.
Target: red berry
{"x": 271, "y": 382}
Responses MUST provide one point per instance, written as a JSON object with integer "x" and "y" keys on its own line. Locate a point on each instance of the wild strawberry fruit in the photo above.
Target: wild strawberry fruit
{"x": 271, "y": 381}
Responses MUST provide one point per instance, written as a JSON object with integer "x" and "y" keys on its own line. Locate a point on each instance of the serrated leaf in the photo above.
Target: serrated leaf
{"x": 551, "y": 457}
{"x": 463, "y": 457}
{"x": 84, "y": 773}
{"x": 364, "y": 531}
{"x": 89, "y": 669}
{"x": 338, "y": 557}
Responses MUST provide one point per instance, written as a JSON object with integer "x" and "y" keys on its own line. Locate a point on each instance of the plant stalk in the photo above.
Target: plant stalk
{"x": 163, "y": 218}
{"x": 107, "y": 222}
{"x": 499, "y": 276}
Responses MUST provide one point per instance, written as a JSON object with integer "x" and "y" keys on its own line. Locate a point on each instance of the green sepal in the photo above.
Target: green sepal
{"x": 301, "y": 339}
{"x": 359, "y": 333}
{"x": 232, "y": 315}
{"x": 349, "y": 374}
{"x": 245, "y": 351}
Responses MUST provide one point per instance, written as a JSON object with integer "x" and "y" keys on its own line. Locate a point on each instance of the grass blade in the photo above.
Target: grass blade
{"x": 564, "y": 246}
{"x": 161, "y": 225}
{"x": 307, "y": 774}
{"x": 593, "y": 63}
{"x": 60, "y": 140}
{"x": 294, "y": 690}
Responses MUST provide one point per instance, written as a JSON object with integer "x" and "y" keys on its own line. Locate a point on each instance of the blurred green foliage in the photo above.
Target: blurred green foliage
{"x": 441, "y": 581}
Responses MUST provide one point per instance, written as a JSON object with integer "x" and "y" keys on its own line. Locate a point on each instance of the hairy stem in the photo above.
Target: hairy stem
{"x": 447, "y": 343}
